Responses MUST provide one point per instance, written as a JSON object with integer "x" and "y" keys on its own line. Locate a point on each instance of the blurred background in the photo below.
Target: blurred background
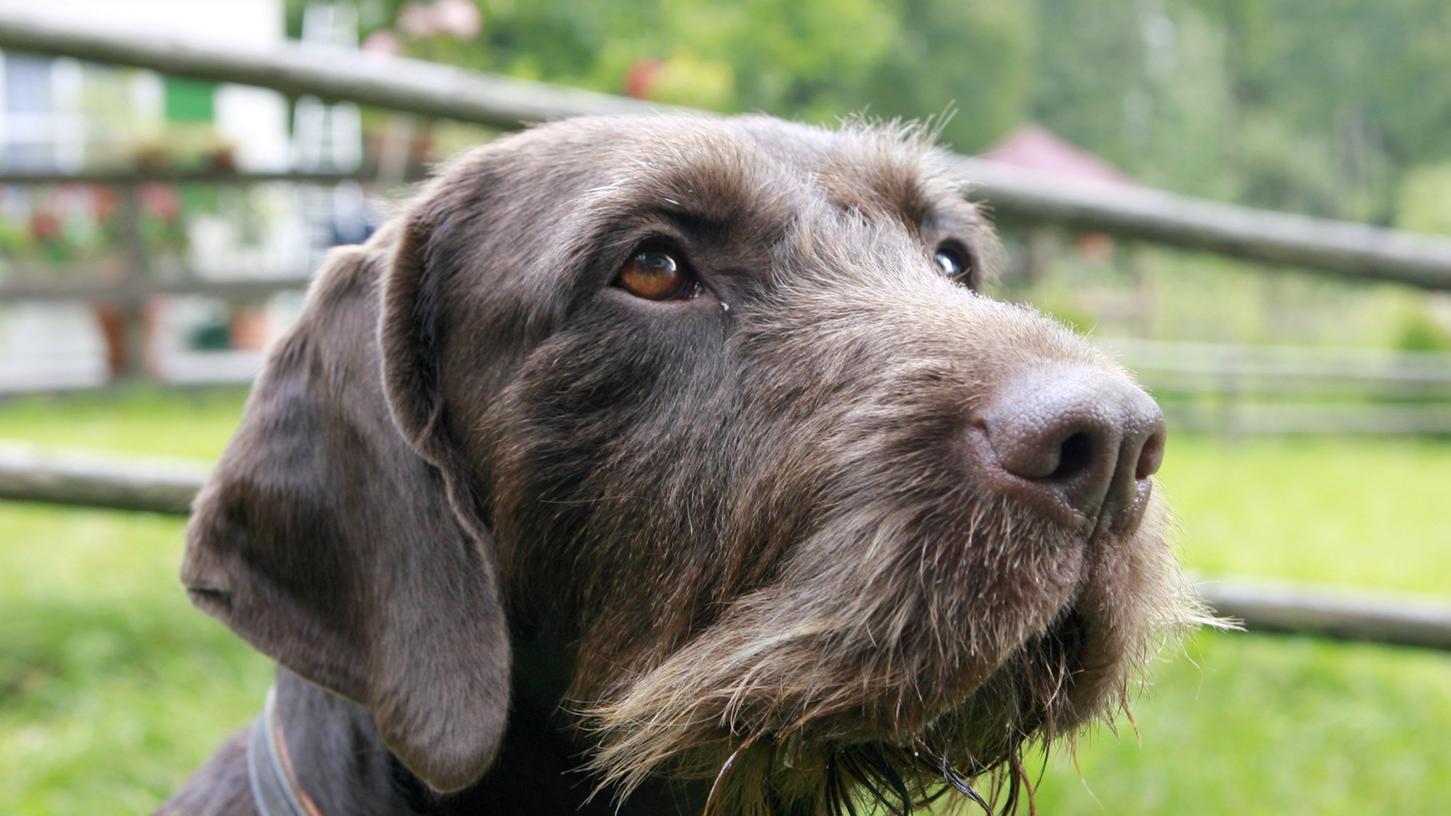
{"x": 156, "y": 233}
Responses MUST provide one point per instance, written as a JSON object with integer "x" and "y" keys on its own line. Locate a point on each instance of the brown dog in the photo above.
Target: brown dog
{"x": 675, "y": 464}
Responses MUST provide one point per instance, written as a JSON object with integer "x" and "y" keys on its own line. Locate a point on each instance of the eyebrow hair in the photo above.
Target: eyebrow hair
{"x": 691, "y": 220}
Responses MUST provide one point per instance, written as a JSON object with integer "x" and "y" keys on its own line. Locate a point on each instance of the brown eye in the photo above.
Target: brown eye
{"x": 656, "y": 274}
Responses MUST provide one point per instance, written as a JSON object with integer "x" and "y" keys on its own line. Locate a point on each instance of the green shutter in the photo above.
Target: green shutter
{"x": 190, "y": 101}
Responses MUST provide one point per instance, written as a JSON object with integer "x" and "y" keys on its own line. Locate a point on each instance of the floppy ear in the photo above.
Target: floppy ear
{"x": 329, "y": 543}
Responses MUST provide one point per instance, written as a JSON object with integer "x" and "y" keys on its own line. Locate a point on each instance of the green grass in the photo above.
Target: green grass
{"x": 111, "y": 684}
{"x": 195, "y": 424}
{"x": 1360, "y": 512}
{"x": 1259, "y": 725}
{"x": 112, "y": 688}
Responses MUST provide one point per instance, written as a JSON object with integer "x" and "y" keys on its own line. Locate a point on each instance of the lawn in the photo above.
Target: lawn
{"x": 112, "y": 688}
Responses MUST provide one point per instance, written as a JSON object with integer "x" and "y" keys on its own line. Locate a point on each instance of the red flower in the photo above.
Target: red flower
{"x": 641, "y": 78}
{"x": 106, "y": 201}
{"x": 44, "y": 223}
{"x": 161, "y": 200}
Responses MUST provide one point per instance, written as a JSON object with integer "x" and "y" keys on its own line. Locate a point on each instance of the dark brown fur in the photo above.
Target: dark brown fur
{"x": 543, "y": 539}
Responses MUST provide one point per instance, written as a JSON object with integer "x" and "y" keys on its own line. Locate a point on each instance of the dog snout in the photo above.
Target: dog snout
{"x": 1076, "y": 436}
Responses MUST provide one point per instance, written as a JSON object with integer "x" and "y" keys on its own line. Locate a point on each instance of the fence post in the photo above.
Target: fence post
{"x": 1230, "y": 402}
{"x": 135, "y": 270}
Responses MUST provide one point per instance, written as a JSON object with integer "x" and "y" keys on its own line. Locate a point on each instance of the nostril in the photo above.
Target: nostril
{"x": 1075, "y": 455}
{"x": 1074, "y": 437}
{"x": 1151, "y": 456}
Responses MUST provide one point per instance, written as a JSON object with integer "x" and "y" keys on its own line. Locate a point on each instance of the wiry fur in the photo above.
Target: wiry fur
{"x": 746, "y": 531}
{"x": 850, "y": 585}
{"x": 899, "y": 589}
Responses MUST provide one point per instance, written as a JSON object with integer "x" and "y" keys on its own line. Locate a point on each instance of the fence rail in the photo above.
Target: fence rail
{"x": 1411, "y": 369}
{"x": 31, "y": 475}
{"x": 1285, "y": 390}
{"x": 134, "y": 289}
{"x": 125, "y": 177}
{"x": 1355, "y": 251}
{"x": 1239, "y": 390}
{"x": 1237, "y": 419}
{"x": 50, "y": 477}
{"x": 239, "y": 287}
{"x": 1361, "y": 617}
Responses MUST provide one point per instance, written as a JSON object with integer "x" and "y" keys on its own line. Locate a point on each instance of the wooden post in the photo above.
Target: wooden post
{"x": 135, "y": 270}
{"x": 1232, "y": 396}
{"x": 1040, "y": 252}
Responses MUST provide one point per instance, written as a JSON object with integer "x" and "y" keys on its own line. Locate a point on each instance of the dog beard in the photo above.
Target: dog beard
{"x": 887, "y": 667}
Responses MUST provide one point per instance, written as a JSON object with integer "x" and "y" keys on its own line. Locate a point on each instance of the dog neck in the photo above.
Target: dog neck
{"x": 341, "y": 762}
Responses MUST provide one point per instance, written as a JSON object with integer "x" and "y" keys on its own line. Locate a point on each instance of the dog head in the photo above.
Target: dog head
{"x": 716, "y": 407}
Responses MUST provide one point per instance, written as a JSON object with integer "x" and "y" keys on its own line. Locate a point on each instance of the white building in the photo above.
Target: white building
{"x": 60, "y": 115}
{"x": 50, "y": 108}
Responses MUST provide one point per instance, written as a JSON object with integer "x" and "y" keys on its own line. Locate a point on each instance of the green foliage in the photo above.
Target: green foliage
{"x": 1315, "y": 106}
{"x": 814, "y": 60}
{"x": 971, "y": 57}
{"x": 1424, "y": 203}
{"x": 1352, "y": 79}
{"x": 1419, "y": 331}
{"x": 1295, "y": 171}
{"x": 1089, "y": 59}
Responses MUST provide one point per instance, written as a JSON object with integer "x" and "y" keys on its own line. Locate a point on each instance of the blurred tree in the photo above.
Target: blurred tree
{"x": 810, "y": 59}
{"x": 1141, "y": 83}
{"x": 807, "y": 59}
{"x": 1313, "y": 105}
{"x": 973, "y": 56}
{"x": 1363, "y": 83}
{"x": 1090, "y": 68}
{"x": 1424, "y": 202}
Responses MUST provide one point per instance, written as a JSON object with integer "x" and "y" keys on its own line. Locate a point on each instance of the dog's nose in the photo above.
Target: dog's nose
{"x": 1079, "y": 435}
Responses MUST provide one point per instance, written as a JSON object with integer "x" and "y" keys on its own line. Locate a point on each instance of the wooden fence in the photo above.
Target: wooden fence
{"x": 1347, "y": 250}
{"x": 138, "y": 285}
{"x": 1232, "y": 390}
{"x": 30, "y": 475}
{"x": 1242, "y": 390}
{"x": 1278, "y": 240}
{"x": 1355, "y": 251}
{"x": 137, "y": 281}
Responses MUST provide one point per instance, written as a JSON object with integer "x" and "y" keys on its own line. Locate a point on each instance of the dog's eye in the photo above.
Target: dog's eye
{"x": 955, "y": 263}
{"x": 657, "y": 274}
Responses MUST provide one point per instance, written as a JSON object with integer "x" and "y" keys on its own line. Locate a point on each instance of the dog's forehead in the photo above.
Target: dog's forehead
{"x": 755, "y": 167}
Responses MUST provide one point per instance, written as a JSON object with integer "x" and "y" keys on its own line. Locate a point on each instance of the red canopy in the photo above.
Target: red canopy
{"x": 1034, "y": 147}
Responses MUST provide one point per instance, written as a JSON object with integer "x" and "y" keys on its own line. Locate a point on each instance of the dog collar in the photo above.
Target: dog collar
{"x": 275, "y": 791}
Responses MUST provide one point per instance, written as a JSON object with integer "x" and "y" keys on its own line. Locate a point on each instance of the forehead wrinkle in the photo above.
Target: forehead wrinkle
{"x": 877, "y": 186}
{"x": 885, "y": 170}
{"x": 720, "y": 180}
{"x": 708, "y": 177}
{"x": 828, "y": 246}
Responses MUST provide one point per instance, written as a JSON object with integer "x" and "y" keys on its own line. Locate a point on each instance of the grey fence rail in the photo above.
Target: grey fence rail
{"x": 136, "y": 288}
{"x": 1243, "y": 390}
{"x": 48, "y": 477}
{"x": 1227, "y": 389}
{"x": 1350, "y": 250}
